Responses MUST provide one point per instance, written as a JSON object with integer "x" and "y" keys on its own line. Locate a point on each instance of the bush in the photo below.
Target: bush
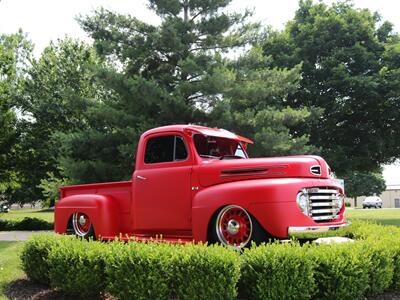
{"x": 34, "y": 257}
{"x": 162, "y": 271}
{"x": 204, "y": 272}
{"x": 278, "y": 271}
{"x": 396, "y": 263}
{"x": 341, "y": 272}
{"x": 157, "y": 270}
{"x": 138, "y": 271}
{"x": 26, "y": 224}
{"x": 78, "y": 267}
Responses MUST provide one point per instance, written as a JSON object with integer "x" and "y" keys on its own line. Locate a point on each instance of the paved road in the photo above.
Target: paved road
{"x": 20, "y": 235}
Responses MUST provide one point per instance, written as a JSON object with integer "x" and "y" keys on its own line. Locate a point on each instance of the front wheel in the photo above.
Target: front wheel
{"x": 82, "y": 225}
{"x": 234, "y": 227}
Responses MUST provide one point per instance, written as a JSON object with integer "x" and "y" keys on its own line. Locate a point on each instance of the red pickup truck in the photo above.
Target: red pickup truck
{"x": 194, "y": 183}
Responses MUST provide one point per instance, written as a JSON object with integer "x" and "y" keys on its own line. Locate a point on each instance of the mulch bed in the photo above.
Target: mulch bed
{"x": 23, "y": 289}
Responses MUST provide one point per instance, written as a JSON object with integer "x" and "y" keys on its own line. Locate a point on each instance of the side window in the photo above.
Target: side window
{"x": 239, "y": 152}
{"x": 180, "y": 149}
{"x": 165, "y": 149}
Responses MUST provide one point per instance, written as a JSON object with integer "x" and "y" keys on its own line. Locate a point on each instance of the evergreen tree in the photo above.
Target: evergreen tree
{"x": 256, "y": 106}
{"x": 156, "y": 75}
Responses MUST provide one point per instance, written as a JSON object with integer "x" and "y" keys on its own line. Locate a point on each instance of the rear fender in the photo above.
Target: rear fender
{"x": 101, "y": 210}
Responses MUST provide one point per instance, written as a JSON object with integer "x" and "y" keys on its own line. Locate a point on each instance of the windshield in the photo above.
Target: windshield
{"x": 217, "y": 147}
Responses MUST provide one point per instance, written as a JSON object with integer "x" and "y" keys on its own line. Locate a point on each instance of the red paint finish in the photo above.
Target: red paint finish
{"x": 178, "y": 196}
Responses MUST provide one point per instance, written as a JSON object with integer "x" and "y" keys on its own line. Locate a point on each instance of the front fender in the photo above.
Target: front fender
{"x": 101, "y": 210}
{"x": 271, "y": 201}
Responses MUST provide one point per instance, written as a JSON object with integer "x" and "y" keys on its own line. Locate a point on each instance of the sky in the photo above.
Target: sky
{"x": 46, "y": 20}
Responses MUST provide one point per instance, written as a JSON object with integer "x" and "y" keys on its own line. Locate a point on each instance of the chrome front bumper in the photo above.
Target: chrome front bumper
{"x": 309, "y": 232}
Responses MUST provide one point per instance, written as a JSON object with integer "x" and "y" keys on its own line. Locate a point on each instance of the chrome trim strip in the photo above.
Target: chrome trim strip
{"x": 324, "y": 211}
{"x": 319, "y": 218}
{"x": 322, "y": 191}
{"x": 320, "y": 204}
{"x": 325, "y": 197}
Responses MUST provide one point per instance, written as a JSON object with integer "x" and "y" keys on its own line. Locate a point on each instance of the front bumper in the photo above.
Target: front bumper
{"x": 311, "y": 232}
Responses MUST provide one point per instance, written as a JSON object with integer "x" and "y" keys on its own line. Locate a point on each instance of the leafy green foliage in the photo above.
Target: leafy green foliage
{"x": 26, "y": 223}
{"x": 256, "y": 106}
{"x": 341, "y": 272}
{"x": 348, "y": 69}
{"x": 276, "y": 271}
{"x": 50, "y": 188}
{"x": 153, "y": 75}
{"x": 139, "y": 271}
{"x": 161, "y": 271}
{"x": 204, "y": 272}
{"x": 58, "y": 91}
{"x": 381, "y": 268}
{"x": 14, "y": 50}
{"x": 34, "y": 257}
{"x": 78, "y": 267}
{"x": 363, "y": 184}
{"x": 154, "y": 270}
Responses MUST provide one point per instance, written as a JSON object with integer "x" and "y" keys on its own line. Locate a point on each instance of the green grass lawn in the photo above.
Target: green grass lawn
{"x": 31, "y": 213}
{"x": 385, "y": 216}
{"x": 9, "y": 264}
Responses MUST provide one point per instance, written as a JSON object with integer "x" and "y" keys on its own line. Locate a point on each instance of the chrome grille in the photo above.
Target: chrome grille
{"x": 325, "y": 203}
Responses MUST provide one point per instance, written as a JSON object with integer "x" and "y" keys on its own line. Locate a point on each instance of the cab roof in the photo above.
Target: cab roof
{"x": 207, "y": 131}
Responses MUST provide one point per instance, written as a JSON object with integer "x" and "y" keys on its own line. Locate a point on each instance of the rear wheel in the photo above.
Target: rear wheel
{"x": 82, "y": 225}
{"x": 233, "y": 226}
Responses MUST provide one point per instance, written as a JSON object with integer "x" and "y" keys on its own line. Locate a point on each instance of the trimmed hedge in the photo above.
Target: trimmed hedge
{"x": 277, "y": 271}
{"x": 157, "y": 270}
{"x": 78, "y": 267}
{"x": 341, "y": 271}
{"x": 25, "y": 224}
{"x": 34, "y": 257}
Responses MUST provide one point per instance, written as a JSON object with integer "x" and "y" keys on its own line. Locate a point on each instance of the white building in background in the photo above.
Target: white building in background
{"x": 390, "y": 197}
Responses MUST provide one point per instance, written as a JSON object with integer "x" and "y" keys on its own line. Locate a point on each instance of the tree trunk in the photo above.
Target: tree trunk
{"x": 355, "y": 201}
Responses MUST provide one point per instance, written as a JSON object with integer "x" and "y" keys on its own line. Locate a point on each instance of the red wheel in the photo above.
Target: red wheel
{"x": 82, "y": 225}
{"x": 234, "y": 226}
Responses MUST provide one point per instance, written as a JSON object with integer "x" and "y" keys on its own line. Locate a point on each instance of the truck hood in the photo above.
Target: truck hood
{"x": 213, "y": 172}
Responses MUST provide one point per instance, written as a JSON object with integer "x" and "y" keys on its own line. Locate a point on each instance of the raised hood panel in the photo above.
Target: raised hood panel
{"x": 219, "y": 171}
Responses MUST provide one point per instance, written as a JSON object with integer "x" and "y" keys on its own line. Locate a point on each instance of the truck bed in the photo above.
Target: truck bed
{"x": 120, "y": 192}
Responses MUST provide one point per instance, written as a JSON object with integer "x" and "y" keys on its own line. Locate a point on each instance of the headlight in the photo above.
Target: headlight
{"x": 303, "y": 203}
{"x": 338, "y": 202}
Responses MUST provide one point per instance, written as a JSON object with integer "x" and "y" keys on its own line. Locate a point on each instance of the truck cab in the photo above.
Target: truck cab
{"x": 194, "y": 183}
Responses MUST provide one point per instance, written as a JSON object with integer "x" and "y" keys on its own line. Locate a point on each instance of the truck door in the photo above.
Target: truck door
{"x": 161, "y": 185}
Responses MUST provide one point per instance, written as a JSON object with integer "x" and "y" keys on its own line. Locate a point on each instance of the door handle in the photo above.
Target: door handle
{"x": 141, "y": 177}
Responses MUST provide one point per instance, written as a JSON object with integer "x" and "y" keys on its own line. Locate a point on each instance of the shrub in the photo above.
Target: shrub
{"x": 341, "y": 271}
{"x": 278, "y": 271}
{"x": 139, "y": 271}
{"x": 396, "y": 263}
{"x": 78, "y": 267}
{"x": 204, "y": 272}
{"x": 379, "y": 257}
{"x": 34, "y": 257}
{"x": 162, "y": 271}
{"x": 26, "y": 224}
{"x": 157, "y": 270}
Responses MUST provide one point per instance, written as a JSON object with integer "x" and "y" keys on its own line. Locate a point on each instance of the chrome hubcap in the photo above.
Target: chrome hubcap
{"x": 233, "y": 227}
{"x": 82, "y": 220}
